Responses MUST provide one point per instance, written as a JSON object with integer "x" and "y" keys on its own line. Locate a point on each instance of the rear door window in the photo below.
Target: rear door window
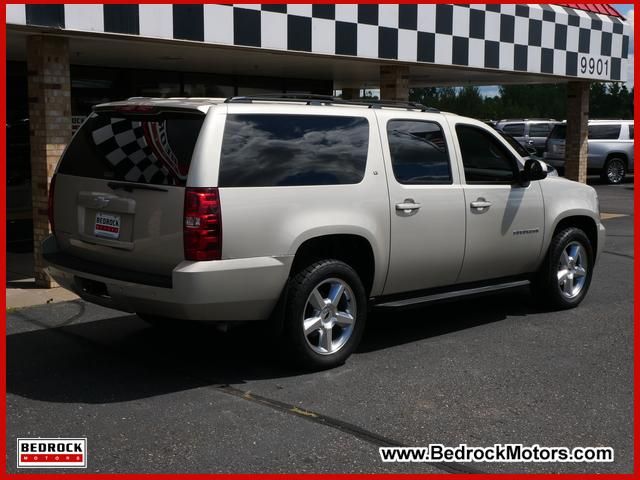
{"x": 265, "y": 150}
{"x": 154, "y": 150}
{"x": 604, "y": 132}
{"x": 539, "y": 129}
{"x": 631, "y": 132}
{"x": 418, "y": 152}
{"x": 515, "y": 129}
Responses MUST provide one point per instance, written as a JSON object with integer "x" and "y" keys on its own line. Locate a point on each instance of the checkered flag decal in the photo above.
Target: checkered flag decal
{"x": 138, "y": 151}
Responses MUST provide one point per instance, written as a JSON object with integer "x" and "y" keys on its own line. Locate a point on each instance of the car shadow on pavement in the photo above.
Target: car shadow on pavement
{"x": 122, "y": 359}
{"x": 390, "y": 328}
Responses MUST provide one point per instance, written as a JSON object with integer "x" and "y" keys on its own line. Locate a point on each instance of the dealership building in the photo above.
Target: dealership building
{"x": 63, "y": 59}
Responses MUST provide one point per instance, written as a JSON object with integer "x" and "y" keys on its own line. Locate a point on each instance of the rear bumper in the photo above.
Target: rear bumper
{"x": 222, "y": 290}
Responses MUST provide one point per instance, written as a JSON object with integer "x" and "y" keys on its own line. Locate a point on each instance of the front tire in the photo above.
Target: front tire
{"x": 614, "y": 171}
{"x": 565, "y": 276}
{"x": 325, "y": 314}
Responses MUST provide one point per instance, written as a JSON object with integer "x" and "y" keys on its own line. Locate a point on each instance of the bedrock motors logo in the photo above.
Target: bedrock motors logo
{"x": 52, "y": 453}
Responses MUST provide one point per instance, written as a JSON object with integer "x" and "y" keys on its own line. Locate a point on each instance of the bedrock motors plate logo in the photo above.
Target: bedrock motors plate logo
{"x": 52, "y": 453}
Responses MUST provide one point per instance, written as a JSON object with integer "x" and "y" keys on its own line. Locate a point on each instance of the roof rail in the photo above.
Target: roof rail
{"x": 329, "y": 100}
{"x": 310, "y": 99}
{"x": 400, "y": 104}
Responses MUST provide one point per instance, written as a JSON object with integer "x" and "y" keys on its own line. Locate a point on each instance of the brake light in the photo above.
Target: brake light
{"x": 136, "y": 109}
{"x": 202, "y": 224}
{"x": 52, "y": 188}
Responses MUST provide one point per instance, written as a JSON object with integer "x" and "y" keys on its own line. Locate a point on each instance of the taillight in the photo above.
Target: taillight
{"x": 52, "y": 189}
{"x": 202, "y": 224}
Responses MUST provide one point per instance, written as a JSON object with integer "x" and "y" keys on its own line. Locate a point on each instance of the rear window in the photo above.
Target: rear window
{"x": 604, "y": 132}
{"x": 515, "y": 129}
{"x": 155, "y": 149}
{"x": 264, "y": 150}
{"x": 559, "y": 132}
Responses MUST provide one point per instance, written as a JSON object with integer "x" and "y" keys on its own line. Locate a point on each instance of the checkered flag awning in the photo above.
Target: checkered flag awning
{"x": 543, "y": 39}
{"x": 138, "y": 151}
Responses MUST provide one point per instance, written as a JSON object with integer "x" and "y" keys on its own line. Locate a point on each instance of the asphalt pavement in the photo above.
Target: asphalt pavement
{"x": 492, "y": 370}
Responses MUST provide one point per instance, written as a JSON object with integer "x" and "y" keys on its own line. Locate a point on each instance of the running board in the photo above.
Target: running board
{"x": 452, "y": 294}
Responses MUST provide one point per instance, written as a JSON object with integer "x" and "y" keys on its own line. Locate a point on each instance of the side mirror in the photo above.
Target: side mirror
{"x": 533, "y": 170}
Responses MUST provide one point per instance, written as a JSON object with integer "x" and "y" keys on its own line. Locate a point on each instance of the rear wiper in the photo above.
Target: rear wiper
{"x": 130, "y": 187}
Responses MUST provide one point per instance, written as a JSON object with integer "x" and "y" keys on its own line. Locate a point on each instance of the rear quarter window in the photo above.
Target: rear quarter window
{"x": 604, "y": 132}
{"x": 153, "y": 150}
{"x": 266, "y": 150}
{"x": 559, "y": 132}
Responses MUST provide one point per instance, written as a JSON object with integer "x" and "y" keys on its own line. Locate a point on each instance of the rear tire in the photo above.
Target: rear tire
{"x": 614, "y": 171}
{"x": 565, "y": 275}
{"x": 325, "y": 314}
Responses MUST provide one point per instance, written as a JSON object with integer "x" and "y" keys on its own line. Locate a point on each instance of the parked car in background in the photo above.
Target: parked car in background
{"x": 528, "y": 153}
{"x": 530, "y": 132}
{"x": 306, "y": 213}
{"x": 610, "y": 148}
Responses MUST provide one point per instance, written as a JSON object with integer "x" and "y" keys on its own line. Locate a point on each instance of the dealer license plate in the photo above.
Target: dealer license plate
{"x": 107, "y": 225}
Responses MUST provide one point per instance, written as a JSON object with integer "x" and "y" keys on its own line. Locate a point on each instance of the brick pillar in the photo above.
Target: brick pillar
{"x": 350, "y": 93}
{"x": 394, "y": 83}
{"x": 575, "y": 167}
{"x": 49, "y": 89}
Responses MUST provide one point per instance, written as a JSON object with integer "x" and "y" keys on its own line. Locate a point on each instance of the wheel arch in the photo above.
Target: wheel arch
{"x": 353, "y": 249}
{"x": 618, "y": 154}
{"x": 586, "y": 223}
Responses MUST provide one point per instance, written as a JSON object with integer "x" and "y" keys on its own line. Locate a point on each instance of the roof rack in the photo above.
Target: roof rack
{"x": 329, "y": 100}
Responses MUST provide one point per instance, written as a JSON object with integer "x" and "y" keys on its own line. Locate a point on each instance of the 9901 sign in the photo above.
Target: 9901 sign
{"x": 594, "y": 66}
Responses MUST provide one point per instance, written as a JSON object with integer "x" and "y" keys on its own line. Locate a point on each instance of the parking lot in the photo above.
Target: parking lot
{"x": 492, "y": 370}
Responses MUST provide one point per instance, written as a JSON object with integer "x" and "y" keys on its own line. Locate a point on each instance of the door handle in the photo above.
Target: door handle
{"x": 407, "y": 206}
{"x": 480, "y": 204}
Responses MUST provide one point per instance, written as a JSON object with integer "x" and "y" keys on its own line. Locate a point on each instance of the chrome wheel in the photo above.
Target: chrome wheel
{"x": 329, "y": 316}
{"x": 572, "y": 270}
{"x": 615, "y": 171}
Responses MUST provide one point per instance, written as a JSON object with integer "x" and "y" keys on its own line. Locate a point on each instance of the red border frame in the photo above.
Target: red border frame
{"x": 3, "y": 375}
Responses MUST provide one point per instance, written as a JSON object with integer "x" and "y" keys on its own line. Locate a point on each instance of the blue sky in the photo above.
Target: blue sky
{"x": 625, "y": 9}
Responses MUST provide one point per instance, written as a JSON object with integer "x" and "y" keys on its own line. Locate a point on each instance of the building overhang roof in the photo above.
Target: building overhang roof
{"x": 442, "y": 44}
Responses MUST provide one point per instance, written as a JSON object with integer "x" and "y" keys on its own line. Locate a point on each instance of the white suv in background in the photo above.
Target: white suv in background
{"x": 306, "y": 212}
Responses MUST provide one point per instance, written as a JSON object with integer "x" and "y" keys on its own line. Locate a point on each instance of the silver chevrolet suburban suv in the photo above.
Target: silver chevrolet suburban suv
{"x": 609, "y": 148}
{"x": 531, "y": 133}
{"x": 307, "y": 212}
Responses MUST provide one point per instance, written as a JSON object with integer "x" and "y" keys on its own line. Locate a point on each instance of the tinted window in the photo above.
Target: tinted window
{"x": 262, "y": 150}
{"x": 604, "y": 132}
{"x": 515, "y": 129}
{"x": 559, "y": 132}
{"x": 485, "y": 159}
{"x": 155, "y": 150}
{"x": 539, "y": 129}
{"x": 631, "y": 132}
{"x": 418, "y": 152}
